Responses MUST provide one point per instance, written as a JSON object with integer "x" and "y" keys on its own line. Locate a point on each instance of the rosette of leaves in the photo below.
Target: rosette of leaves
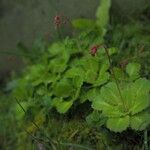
{"x": 127, "y": 109}
{"x": 62, "y": 77}
{"x": 80, "y": 73}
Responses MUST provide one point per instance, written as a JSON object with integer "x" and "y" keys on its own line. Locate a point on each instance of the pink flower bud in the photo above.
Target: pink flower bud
{"x": 57, "y": 21}
{"x": 94, "y": 50}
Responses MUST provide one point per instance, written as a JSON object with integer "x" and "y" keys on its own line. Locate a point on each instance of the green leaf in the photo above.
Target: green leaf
{"x": 59, "y": 64}
{"x": 118, "y": 124}
{"x": 141, "y": 86}
{"x": 109, "y": 101}
{"x": 35, "y": 72}
{"x": 141, "y": 103}
{"x": 64, "y": 106}
{"x": 23, "y": 89}
{"x": 92, "y": 94}
{"x": 61, "y": 105}
{"x": 140, "y": 121}
{"x": 75, "y": 71}
{"x": 18, "y": 110}
{"x": 95, "y": 119}
{"x": 137, "y": 95}
{"x": 89, "y": 94}
{"x": 83, "y": 23}
{"x": 128, "y": 96}
{"x": 120, "y": 75}
{"x": 102, "y": 14}
{"x": 91, "y": 67}
{"x": 133, "y": 70}
{"x": 63, "y": 88}
{"x": 71, "y": 45}
{"x": 107, "y": 109}
{"x": 77, "y": 81}
{"x": 112, "y": 50}
{"x": 111, "y": 94}
{"x": 41, "y": 89}
{"x": 56, "y": 48}
{"x": 103, "y": 75}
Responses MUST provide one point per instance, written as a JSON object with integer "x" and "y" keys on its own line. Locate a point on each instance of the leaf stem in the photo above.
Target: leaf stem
{"x": 113, "y": 73}
{"x": 59, "y": 34}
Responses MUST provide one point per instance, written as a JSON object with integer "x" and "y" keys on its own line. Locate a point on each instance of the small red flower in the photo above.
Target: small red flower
{"x": 94, "y": 50}
{"x": 57, "y": 21}
{"x": 60, "y": 20}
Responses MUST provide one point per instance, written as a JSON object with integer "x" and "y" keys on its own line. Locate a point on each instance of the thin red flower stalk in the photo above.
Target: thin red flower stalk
{"x": 113, "y": 73}
{"x": 93, "y": 53}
